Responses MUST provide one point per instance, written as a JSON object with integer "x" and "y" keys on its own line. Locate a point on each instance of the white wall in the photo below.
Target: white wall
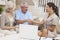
{"x": 38, "y": 12}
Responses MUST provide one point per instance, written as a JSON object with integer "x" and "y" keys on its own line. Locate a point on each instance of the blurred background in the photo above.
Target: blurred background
{"x": 37, "y": 7}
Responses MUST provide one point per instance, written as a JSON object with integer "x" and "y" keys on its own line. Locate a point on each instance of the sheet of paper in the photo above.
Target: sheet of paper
{"x": 28, "y": 31}
{"x": 43, "y": 38}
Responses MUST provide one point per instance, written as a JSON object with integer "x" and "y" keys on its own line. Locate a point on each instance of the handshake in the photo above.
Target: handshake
{"x": 29, "y": 21}
{"x": 34, "y": 22}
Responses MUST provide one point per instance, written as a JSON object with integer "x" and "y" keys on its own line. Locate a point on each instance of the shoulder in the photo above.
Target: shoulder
{"x": 55, "y": 16}
{"x": 17, "y": 11}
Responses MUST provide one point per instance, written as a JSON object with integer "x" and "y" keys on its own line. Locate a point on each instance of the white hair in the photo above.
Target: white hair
{"x": 24, "y": 4}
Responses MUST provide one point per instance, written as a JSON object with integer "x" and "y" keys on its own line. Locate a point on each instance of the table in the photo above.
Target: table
{"x": 58, "y": 37}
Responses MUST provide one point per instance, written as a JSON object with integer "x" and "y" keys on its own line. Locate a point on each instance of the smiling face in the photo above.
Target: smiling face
{"x": 48, "y": 9}
{"x": 10, "y": 10}
{"x": 24, "y": 9}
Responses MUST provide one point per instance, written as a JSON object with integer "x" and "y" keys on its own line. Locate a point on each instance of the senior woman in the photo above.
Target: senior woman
{"x": 9, "y": 19}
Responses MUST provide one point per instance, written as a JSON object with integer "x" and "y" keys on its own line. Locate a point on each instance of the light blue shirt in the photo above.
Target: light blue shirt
{"x": 19, "y": 15}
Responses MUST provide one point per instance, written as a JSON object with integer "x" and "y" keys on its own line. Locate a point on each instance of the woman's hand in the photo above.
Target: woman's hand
{"x": 40, "y": 34}
{"x": 38, "y": 22}
{"x": 43, "y": 33}
{"x": 41, "y": 22}
{"x": 9, "y": 28}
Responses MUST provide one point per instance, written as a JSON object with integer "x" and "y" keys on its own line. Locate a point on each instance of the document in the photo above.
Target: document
{"x": 44, "y": 38}
{"x": 28, "y": 31}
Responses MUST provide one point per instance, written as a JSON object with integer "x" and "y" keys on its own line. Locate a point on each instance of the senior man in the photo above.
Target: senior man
{"x": 23, "y": 16}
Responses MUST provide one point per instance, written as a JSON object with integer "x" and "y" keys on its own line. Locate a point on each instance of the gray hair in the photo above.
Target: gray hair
{"x": 24, "y": 4}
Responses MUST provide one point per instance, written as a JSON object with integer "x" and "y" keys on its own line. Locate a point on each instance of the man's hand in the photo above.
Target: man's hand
{"x": 29, "y": 21}
{"x": 38, "y": 22}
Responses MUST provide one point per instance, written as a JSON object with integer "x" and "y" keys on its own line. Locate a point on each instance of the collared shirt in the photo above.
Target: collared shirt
{"x": 19, "y": 15}
{"x": 53, "y": 19}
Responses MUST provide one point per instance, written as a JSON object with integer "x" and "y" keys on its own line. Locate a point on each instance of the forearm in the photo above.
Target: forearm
{"x": 8, "y": 28}
{"x": 30, "y": 22}
{"x": 20, "y": 21}
{"x": 35, "y": 22}
{"x": 52, "y": 35}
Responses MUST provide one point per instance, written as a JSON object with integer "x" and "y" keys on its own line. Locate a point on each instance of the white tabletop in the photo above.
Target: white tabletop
{"x": 58, "y": 36}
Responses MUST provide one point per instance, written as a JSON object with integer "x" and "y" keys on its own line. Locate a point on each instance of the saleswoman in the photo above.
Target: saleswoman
{"x": 53, "y": 18}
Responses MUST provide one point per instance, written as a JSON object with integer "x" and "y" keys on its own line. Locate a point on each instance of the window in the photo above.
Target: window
{"x": 44, "y": 2}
